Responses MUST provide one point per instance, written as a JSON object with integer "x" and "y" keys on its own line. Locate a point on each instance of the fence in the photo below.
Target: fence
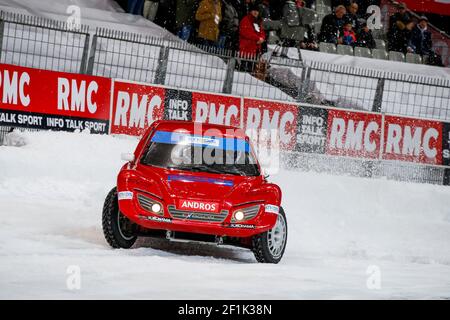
{"x": 42, "y": 43}
{"x": 52, "y": 45}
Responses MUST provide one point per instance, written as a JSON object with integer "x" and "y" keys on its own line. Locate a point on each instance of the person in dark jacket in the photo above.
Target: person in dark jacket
{"x": 397, "y": 23}
{"x": 332, "y": 24}
{"x": 352, "y": 16}
{"x": 185, "y": 14}
{"x": 365, "y": 38}
{"x": 264, "y": 9}
{"x": 420, "y": 41}
{"x": 229, "y": 27}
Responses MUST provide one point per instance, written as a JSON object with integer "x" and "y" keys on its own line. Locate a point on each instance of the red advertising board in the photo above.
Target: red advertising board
{"x": 216, "y": 109}
{"x": 412, "y": 140}
{"x": 135, "y": 107}
{"x": 261, "y": 118}
{"x": 53, "y": 100}
{"x": 353, "y": 134}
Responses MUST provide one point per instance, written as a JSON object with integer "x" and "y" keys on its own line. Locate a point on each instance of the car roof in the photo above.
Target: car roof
{"x": 197, "y": 127}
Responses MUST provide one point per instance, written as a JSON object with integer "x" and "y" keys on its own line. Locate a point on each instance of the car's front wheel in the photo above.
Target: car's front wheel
{"x": 118, "y": 230}
{"x": 269, "y": 246}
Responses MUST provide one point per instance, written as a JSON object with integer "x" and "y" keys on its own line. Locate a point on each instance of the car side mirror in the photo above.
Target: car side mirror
{"x": 265, "y": 174}
{"x": 127, "y": 157}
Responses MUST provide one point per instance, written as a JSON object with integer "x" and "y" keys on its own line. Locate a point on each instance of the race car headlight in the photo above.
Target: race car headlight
{"x": 148, "y": 204}
{"x": 247, "y": 213}
{"x": 239, "y": 215}
{"x": 156, "y": 207}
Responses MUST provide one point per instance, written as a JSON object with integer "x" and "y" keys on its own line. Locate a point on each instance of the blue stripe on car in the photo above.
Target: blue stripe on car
{"x": 233, "y": 144}
{"x": 184, "y": 178}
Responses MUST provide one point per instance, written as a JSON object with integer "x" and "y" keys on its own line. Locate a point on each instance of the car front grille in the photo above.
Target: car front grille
{"x": 197, "y": 216}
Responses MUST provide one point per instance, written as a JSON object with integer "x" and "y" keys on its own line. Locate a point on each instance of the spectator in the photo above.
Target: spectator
{"x": 135, "y": 6}
{"x": 150, "y": 9}
{"x": 364, "y": 4}
{"x": 309, "y": 42}
{"x": 352, "y": 16}
{"x": 209, "y": 14}
{"x": 332, "y": 25}
{"x": 251, "y": 34}
{"x": 404, "y": 37}
{"x": 420, "y": 41}
{"x": 166, "y": 15}
{"x": 264, "y": 9}
{"x": 397, "y": 23}
{"x": 365, "y": 38}
{"x": 348, "y": 37}
{"x": 184, "y": 14}
{"x": 229, "y": 27}
{"x": 244, "y": 7}
{"x": 309, "y": 3}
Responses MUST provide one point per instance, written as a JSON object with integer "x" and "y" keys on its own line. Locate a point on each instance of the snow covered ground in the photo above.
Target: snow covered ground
{"x": 343, "y": 233}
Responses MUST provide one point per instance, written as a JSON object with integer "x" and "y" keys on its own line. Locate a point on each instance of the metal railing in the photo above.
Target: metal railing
{"x": 42, "y": 43}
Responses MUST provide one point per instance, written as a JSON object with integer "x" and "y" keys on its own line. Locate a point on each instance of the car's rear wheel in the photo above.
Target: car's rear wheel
{"x": 118, "y": 230}
{"x": 269, "y": 246}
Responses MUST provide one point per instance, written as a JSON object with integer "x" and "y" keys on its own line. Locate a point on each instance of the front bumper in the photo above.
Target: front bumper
{"x": 223, "y": 225}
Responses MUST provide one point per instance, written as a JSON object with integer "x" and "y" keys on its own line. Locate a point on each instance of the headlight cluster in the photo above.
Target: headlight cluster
{"x": 150, "y": 205}
{"x": 244, "y": 214}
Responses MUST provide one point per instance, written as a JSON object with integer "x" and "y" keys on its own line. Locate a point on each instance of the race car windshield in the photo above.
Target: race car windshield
{"x": 200, "y": 154}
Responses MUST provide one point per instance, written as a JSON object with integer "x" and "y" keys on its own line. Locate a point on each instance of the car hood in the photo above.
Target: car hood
{"x": 177, "y": 184}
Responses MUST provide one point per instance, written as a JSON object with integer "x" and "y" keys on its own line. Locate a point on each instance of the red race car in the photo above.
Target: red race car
{"x": 198, "y": 182}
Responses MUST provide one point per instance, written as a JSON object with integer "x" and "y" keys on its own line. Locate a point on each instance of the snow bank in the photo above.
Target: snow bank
{"x": 51, "y": 195}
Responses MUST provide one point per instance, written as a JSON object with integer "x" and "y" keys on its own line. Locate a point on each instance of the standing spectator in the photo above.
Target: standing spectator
{"x": 229, "y": 28}
{"x": 166, "y": 15}
{"x": 332, "y": 25}
{"x": 209, "y": 14}
{"x": 150, "y": 9}
{"x": 404, "y": 37}
{"x": 251, "y": 34}
{"x": 365, "y": 38}
{"x": 397, "y": 23}
{"x": 352, "y": 16}
{"x": 348, "y": 37}
{"x": 364, "y": 4}
{"x": 184, "y": 14}
{"x": 420, "y": 41}
{"x": 337, "y": 3}
{"x": 264, "y": 10}
{"x": 135, "y": 6}
{"x": 244, "y": 7}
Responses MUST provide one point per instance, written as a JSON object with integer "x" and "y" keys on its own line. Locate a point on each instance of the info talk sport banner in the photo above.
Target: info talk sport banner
{"x": 61, "y": 101}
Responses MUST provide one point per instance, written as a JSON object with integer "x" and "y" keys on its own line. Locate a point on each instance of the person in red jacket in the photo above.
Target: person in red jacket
{"x": 251, "y": 34}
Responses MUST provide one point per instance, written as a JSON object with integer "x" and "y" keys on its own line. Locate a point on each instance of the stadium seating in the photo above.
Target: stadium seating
{"x": 363, "y": 52}
{"x": 413, "y": 58}
{"x": 396, "y": 56}
{"x": 380, "y": 54}
{"x": 344, "y": 50}
{"x": 327, "y": 47}
{"x": 380, "y": 44}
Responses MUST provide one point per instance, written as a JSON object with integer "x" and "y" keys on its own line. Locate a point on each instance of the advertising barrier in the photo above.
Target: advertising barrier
{"x": 41, "y": 99}
{"x": 53, "y": 100}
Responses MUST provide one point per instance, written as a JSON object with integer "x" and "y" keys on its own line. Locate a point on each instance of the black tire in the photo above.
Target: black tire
{"x": 260, "y": 244}
{"x": 116, "y": 236}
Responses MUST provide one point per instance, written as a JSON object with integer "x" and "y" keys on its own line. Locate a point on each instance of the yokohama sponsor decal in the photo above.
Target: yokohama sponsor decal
{"x": 354, "y": 134}
{"x": 263, "y": 118}
{"x": 44, "y": 99}
{"x": 135, "y": 107}
{"x": 199, "y": 206}
{"x": 413, "y": 140}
